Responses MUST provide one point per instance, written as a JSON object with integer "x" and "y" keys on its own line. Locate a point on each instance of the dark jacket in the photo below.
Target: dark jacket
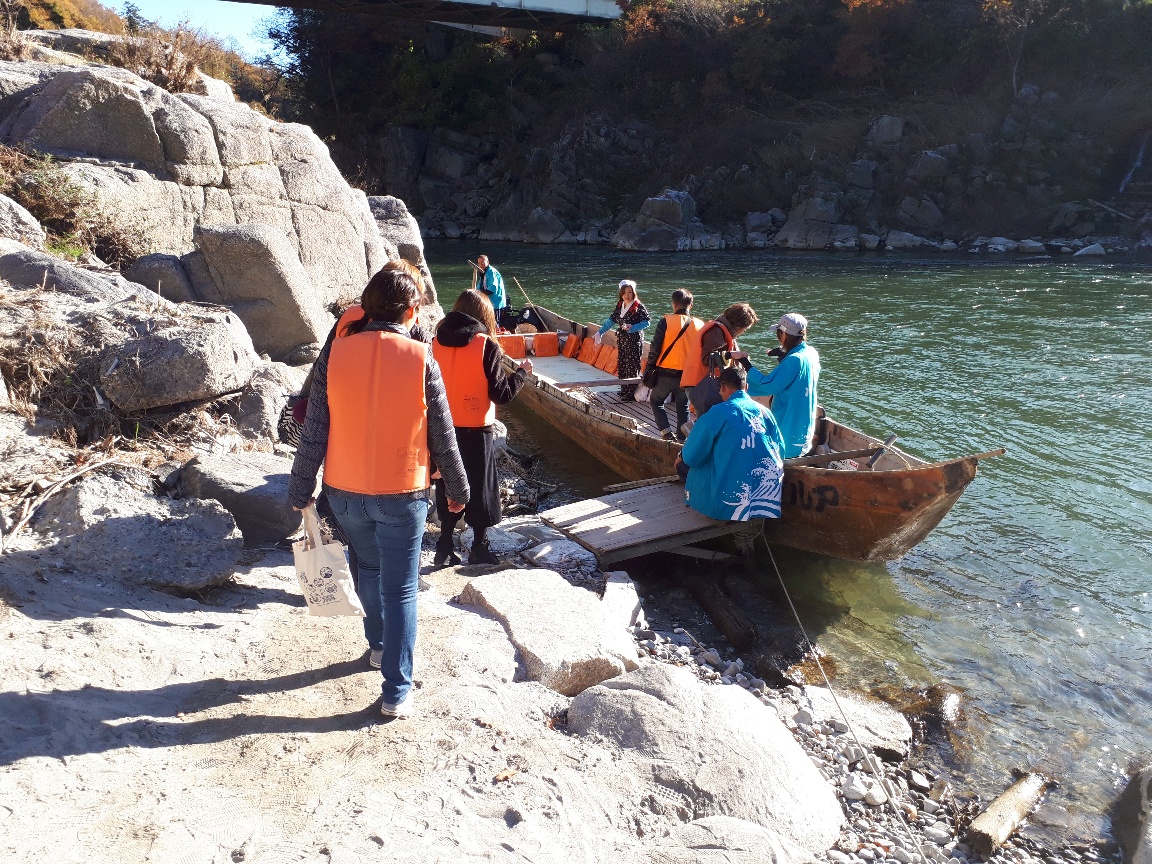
{"x": 314, "y": 439}
{"x": 656, "y": 348}
{"x": 457, "y": 330}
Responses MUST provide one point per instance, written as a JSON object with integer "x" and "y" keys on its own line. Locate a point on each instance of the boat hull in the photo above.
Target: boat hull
{"x": 858, "y": 515}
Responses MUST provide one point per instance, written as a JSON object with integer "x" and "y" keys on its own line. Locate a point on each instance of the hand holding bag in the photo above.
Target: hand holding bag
{"x": 325, "y": 577}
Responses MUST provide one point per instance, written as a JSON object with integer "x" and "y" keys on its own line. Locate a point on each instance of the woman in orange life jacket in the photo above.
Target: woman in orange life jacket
{"x": 476, "y": 383}
{"x": 377, "y": 417}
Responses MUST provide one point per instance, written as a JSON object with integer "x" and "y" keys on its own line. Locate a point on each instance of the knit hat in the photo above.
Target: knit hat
{"x": 794, "y": 324}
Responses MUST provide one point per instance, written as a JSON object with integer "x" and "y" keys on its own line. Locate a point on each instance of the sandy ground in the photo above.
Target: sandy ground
{"x": 143, "y": 727}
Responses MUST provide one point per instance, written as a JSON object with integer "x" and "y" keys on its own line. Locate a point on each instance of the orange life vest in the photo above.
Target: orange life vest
{"x": 465, "y": 382}
{"x": 674, "y": 351}
{"x": 378, "y": 431}
{"x": 694, "y": 367}
{"x": 354, "y": 313}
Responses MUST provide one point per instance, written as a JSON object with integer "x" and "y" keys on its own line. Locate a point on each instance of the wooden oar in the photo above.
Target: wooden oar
{"x": 794, "y": 462}
{"x": 599, "y": 382}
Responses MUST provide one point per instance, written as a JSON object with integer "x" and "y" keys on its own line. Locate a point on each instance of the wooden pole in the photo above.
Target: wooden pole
{"x": 991, "y": 828}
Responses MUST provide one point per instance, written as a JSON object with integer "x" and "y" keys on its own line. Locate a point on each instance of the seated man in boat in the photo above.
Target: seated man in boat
{"x": 734, "y": 456}
{"x": 792, "y": 385}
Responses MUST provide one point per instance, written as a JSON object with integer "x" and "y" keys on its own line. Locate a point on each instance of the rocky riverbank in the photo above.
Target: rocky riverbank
{"x": 169, "y": 698}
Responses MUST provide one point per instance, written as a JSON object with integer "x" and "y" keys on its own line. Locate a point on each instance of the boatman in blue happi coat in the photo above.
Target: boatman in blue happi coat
{"x": 492, "y": 284}
{"x": 733, "y": 454}
{"x": 792, "y": 385}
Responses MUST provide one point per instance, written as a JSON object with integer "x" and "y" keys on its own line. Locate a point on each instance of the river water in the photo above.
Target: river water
{"x": 1032, "y": 596}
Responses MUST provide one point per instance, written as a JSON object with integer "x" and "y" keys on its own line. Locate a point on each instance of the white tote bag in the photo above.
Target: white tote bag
{"x": 325, "y": 577}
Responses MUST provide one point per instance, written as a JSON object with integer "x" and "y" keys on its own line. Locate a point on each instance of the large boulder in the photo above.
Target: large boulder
{"x": 885, "y": 132}
{"x": 170, "y": 164}
{"x": 919, "y": 213}
{"x": 263, "y": 400}
{"x": 260, "y": 276}
{"x": 711, "y": 751}
{"x": 544, "y": 226}
{"x": 16, "y": 223}
{"x": 400, "y": 231}
{"x": 1132, "y": 815}
{"x": 20, "y": 265}
{"x": 876, "y": 725}
{"x": 810, "y": 224}
{"x": 252, "y": 486}
{"x": 114, "y": 527}
{"x": 671, "y": 207}
{"x": 566, "y": 638}
{"x": 191, "y": 360}
{"x": 164, "y": 274}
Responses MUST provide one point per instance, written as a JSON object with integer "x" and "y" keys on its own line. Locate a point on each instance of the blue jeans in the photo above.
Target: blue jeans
{"x": 386, "y": 531}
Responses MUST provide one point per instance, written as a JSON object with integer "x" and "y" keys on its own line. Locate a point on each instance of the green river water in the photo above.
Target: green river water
{"x": 1032, "y": 596}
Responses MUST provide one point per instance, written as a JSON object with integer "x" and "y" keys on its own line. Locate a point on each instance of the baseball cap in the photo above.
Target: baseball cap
{"x": 794, "y": 324}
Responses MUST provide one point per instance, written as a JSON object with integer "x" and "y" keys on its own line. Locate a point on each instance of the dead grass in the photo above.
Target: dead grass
{"x": 68, "y": 212}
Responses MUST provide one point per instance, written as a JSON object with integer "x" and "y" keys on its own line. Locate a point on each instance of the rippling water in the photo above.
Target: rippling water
{"x": 1032, "y": 597}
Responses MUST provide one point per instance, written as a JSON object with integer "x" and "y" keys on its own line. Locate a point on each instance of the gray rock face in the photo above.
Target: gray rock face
{"x": 84, "y": 112}
{"x": 810, "y": 224}
{"x": 182, "y": 363}
{"x": 920, "y": 214}
{"x": 878, "y": 726}
{"x": 252, "y": 486}
{"x": 20, "y": 265}
{"x": 900, "y": 240}
{"x": 671, "y": 207}
{"x": 262, "y": 279}
{"x": 544, "y": 226}
{"x": 114, "y": 527}
{"x": 171, "y": 164}
{"x": 403, "y": 149}
{"x": 399, "y": 230}
{"x": 931, "y": 167}
{"x": 258, "y": 411}
{"x": 724, "y": 840}
{"x": 16, "y": 223}
{"x": 163, "y": 274}
{"x": 566, "y": 639}
{"x": 886, "y": 131}
{"x": 1132, "y": 817}
{"x": 681, "y": 733}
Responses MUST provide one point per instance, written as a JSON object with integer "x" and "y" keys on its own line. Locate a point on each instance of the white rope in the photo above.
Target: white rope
{"x": 876, "y": 760}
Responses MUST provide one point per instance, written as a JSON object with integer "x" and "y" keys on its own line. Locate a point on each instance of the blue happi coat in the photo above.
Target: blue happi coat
{"x": 492, "y": 284}
{"x": 792, "y": 386}
{"x": 734, "y": 453}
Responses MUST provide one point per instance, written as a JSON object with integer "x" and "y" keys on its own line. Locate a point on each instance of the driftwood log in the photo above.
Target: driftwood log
{"x": 995, "y": 825}
{"x": 728, "y": 617}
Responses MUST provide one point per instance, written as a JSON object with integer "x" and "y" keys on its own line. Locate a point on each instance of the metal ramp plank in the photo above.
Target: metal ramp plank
{"x": 635, "y": 522}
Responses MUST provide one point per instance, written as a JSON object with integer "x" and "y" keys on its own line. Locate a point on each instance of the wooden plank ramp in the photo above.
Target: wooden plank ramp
{"x": 636, "y": 522}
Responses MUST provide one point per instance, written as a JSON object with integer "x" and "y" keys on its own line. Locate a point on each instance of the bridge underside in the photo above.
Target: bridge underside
{"x": 553, "y": 15}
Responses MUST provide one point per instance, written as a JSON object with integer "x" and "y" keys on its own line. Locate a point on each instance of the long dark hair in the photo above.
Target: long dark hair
{"x": 387, "y": 297}
{"x": 476, "y": 305}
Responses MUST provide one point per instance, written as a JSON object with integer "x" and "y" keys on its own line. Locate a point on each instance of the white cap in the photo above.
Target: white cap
{"x": 627, "y": 282}
{"x": 794, "y": 324}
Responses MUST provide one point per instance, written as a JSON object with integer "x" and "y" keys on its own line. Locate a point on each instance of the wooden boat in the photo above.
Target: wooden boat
{"x": 845, "y": 508}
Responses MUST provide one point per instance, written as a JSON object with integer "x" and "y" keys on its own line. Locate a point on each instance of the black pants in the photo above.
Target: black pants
{"x": 668, "y": 384}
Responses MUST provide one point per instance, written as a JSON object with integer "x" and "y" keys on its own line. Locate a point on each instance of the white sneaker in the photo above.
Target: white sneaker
{"x": 374, "y": 657}
{"x": 400, "y": 710}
